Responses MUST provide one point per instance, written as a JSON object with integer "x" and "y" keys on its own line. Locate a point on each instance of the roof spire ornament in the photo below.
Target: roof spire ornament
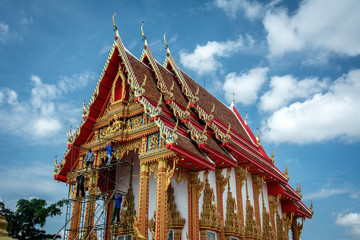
{"x": 159, "y": 104}
{"x": 272, "y": 156}
{"x": 166, "y": 46}
{"x": 233, "y": 101}
{"x": 142, "y": 88}
{"x": 311, "y": 207}
{"x": 174, "y": 132}
{"x": 55, "y": 162}
{"x": 246, "y": 117}
{"x": 286, "y": 172}
{"x": 228, "y": 135}
{"x": 84, "y": 109}
{"x": 258, "y": 137}
{"x": 211, "y": 113}
{"x": 115, "y": 28}
{"x": 143, "y": 35}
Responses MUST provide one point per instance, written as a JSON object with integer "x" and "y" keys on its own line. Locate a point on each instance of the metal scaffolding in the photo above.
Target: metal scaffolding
{"x": 94, "y": 220}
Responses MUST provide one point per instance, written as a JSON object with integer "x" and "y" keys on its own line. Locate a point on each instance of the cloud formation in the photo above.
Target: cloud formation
{"x": 352, "y": 221}
{"x": 204, "y": 59}
{"x": 253, "y": 10}
{"x": 42, "y": 115}
{"x": 317, "y": 25}
{"x": 4, "y": 32}
{"x": 286, "y": 88}
{"x": 245, "y": 86}
{"x": 324, "y": 116}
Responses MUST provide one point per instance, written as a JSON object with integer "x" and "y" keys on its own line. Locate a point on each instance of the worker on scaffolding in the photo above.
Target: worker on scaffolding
{"x": 109, "y": 148}
{"x": 117, "y": 207}
{"x": 89, "y": 158}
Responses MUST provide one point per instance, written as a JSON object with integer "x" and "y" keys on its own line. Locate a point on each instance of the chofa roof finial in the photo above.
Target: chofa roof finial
{"x": 115, "y": 28}
{"x": 143, "y": 35}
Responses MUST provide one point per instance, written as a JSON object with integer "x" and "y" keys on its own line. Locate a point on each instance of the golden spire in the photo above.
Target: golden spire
{"x": 159, "y": 104}
{"x": 246, "y": 117}
{"x": 115, "y": 28}
{"x": 286, "y": 173}
{"x": 311, "y": 207}
{"x": 143, "y": 35}
{"x": 174, "y": 133}
{"x": 55, "y": 162}
{"x": 166, "y": 46}
{"x": 272, "y": 156}
{"x": 84, "y": 108}
{"x": 70, "y": 134}
{"x": 143, "y": 85}
{"x": 233, "y": 101}
{"x": 258, "y": 137}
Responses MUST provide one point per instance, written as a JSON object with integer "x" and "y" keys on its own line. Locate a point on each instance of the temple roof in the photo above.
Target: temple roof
{"x": 209, "y": 134}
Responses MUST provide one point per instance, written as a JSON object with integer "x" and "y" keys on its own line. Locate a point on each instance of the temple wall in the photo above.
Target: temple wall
{"x": 181, "y": 200}
{"x": 152, "y": 199}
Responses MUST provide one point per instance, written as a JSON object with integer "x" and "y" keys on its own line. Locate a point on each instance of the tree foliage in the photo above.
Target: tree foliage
{"x": 29, "y": 214}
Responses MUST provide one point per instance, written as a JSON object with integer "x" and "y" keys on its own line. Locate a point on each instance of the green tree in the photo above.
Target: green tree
{"x": 30, "y": 214}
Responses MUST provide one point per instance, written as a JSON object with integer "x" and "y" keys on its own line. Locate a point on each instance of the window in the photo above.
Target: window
{"x": 124, "y": 237}
{"x": 171, "y": 234}
{"x": 210, "y": 235}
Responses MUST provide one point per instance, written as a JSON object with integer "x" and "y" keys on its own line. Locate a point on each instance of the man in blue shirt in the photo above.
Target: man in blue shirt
{"x": 110, "y": 150}
{"x": 117, "y": 207}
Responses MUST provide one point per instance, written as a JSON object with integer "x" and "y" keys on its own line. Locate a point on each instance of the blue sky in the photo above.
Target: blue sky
{"x": 293, "y": 65}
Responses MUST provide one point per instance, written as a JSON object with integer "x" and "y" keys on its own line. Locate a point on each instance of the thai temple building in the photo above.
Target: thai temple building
{"x": 186, "y": 165}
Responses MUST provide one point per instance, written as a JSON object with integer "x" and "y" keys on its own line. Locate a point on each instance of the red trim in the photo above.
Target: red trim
{"x": 288, "y": 206}
{"x": 218, "y": 155}
{"x": 274, "y": 188}
{"x": 60, "y": 178}
{"x": 176, "y": 148}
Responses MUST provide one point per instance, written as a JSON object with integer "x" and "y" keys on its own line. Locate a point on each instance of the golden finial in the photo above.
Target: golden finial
{"x": 84, "y": 108}
{"x": 258, "y": 137}
{"x": 272, "y": 156}
{"x": 298, "y": 190}
{"x": 172, "y": 86}
{"x": 159, "y": 104}
{"x": 211, "y": 113}
{"x": 311, "y": 207}
{"x": 143, "y": 85}
{"x": 196, "y": 98}
{"x": 204, "y": 132}
{"x": 70, "y": 134}
{"x": 115, "y": 28}
{"x": 228, "y": 135}
{"x": 286, "y": 173}
{"x": 233, "y": 101}
{"x": 246, "y": 116}
{"x": 142, "y": 33}
{"x": 55, "y": 162}
{"x": 166, "y": 46}
{"x": 174, "y": 133}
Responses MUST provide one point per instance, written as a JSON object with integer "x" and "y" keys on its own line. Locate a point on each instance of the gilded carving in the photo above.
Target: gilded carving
{"x": 180, "y": 175}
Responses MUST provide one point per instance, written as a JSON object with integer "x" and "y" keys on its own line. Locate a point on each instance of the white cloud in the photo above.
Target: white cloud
{"x": 351, "y": 220}
{"x": 43, "y": 114}
{"x": 317, "y": 24}
{"x": 252, "y": 10}
{"x": 286, "y": 88}
{"x": 204, "y": 58}
{"x": 4, "y": 32}
{"x": 334, "y": 114}
{"x": 326, "y": 193}
{"x": 105, "y": 50}
{"x": 245, "y": 86}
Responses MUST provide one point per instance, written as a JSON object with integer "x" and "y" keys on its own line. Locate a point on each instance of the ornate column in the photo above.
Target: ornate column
{"x": 109, "y": 211}
{"x": 273, "y": 205}
{"x": 161, "y": 201}
{"x": 143, "y": 202}
{"x": 75, "y": 216}
{"x": 195, "y": 186}
{"x": 240, "y": 176}
{"x": 221, "y": 182}
{"x": 257, "y": 188}
{"x": 296, "y": 228}
{"x": 287, "y": 223}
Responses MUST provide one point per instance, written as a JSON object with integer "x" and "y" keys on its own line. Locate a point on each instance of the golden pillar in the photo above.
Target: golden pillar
{"x": 257, "y": 188}
{"x": 221, "y": 182}
{"x": 194, "y": 192}
{"x": 240, "y": 176}
{"x": 296, "y": 228}
{"x": 143, "y": 202}
{"x": 161, "y": 201}
{"x": 75, "y": 216}
{"x": 273, "y": 205}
